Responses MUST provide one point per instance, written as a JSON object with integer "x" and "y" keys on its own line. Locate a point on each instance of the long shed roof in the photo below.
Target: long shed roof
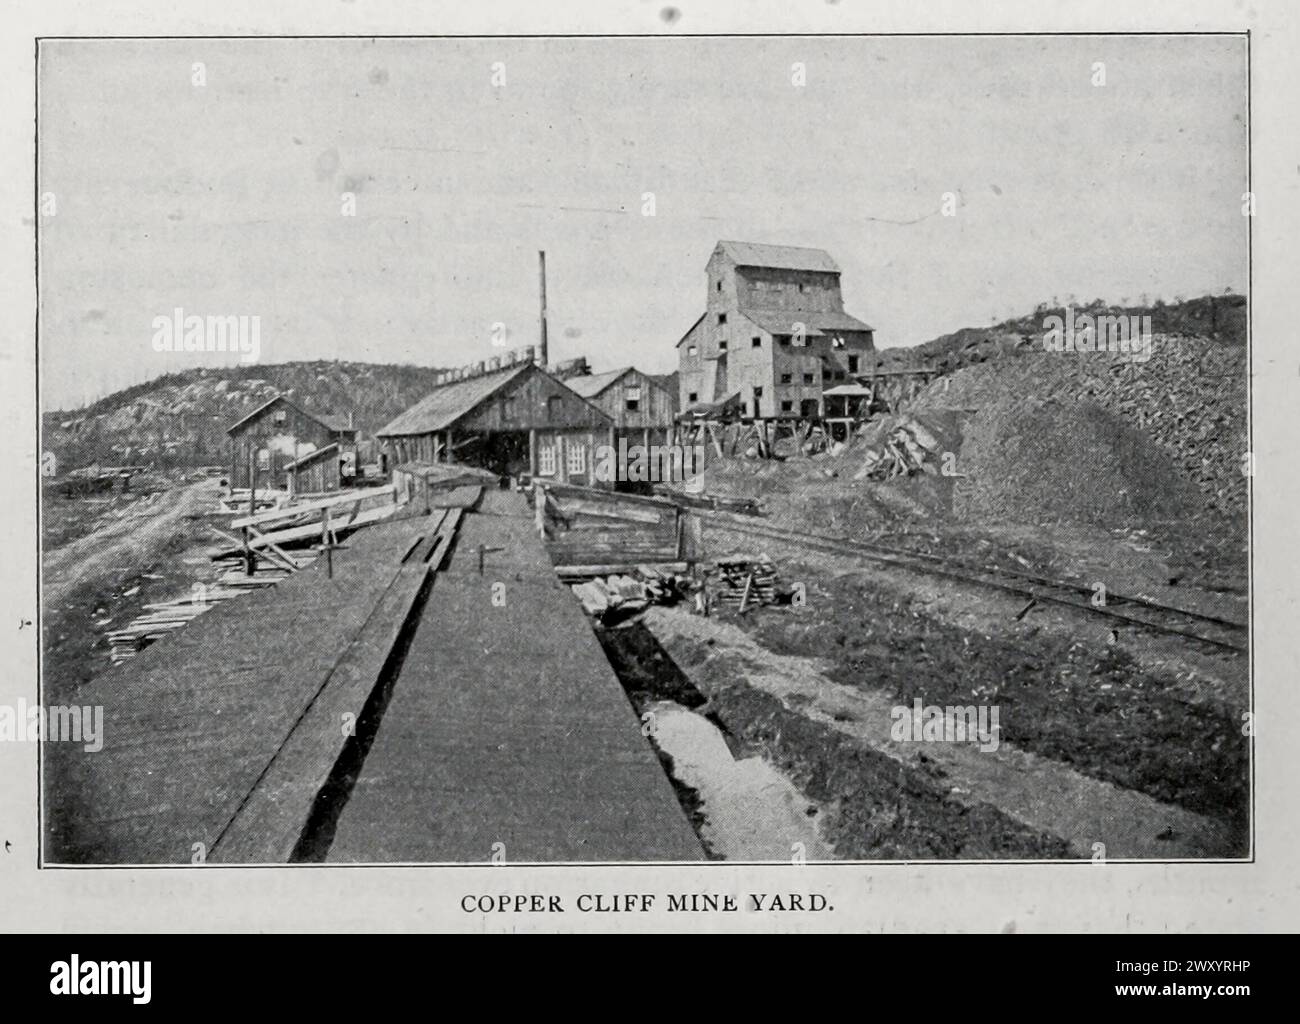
{"x": 444, "y": 405}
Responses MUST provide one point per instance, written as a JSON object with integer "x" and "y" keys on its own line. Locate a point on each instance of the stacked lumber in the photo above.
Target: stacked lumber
{"x": 745, "y": 582}
{"x": 304, "y": 521}
{"x": 624, "y": 594}
{"x": 165, "y": 617}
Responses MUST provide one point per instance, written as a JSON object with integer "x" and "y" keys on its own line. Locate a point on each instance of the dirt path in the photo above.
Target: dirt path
{"x": 1042, "y": 794}
{"x": 127, "y": 543}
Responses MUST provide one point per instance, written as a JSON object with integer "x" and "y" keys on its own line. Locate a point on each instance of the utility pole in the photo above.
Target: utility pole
{"x": 542, "y": 355}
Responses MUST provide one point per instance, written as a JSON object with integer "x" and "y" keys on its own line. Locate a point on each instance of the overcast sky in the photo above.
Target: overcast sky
{"x": 224, "y": 198}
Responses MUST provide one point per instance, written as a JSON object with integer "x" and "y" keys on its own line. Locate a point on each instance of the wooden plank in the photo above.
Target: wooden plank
{"x": 476, "y": 749}
{"x": 197, "y": 718}
{"x": 313, "y": 529}
{"x": 269, "y": 824}
{"x": 289, "y": 511}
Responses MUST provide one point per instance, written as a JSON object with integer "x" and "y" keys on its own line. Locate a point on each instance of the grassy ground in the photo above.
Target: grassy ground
{"x": 877, "y": 808}
{"x": 1088, "y": 705}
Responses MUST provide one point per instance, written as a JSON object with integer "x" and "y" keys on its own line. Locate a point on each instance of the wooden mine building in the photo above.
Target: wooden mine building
{"x": 511, "y": 419}
{"x": 641, "y": 409}
{"x": 774, "y": 335}
{"x": 281, "y": 444}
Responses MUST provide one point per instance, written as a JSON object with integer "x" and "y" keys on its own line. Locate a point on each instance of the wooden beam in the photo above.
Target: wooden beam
{"x": 290, "y": 511}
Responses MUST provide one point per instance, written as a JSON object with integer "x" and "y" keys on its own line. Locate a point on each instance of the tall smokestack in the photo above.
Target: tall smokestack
{"x": 542, "y": 354}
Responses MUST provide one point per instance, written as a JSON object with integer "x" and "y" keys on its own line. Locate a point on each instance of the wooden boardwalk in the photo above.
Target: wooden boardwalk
{"x": 508, "y": 732}
{"x": 193, "y": 722}
{"x": 232, "y": 740}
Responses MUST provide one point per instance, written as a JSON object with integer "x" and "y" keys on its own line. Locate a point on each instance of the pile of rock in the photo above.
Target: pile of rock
{"x": 1189, "y": 399}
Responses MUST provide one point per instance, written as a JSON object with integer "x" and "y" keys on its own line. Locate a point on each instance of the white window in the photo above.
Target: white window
{"x": 546, "y": 460}
{"x": 691, "y": 350}
{"x": 280, "y": 416}
{"x": 577, "y": 458}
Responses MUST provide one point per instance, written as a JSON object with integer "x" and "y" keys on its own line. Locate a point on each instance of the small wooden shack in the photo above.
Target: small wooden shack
{"x": 280, "y": 434}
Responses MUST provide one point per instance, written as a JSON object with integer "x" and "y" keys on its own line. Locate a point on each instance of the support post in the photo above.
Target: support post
{"x": 252, "y": 509}
{"x": 690, "y": 537}
{"x": 539, "y": 509}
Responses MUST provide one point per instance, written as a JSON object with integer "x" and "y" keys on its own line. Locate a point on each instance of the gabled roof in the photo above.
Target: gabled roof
{"x": 782, "y": 321}
{"x": 444, "y": 405}
{"x": 597, "y": 383}
{"x": 593, "y": 384}
{"x": 691, "y": 328}
{"x": 332, "y": 423}
{"x": 779, "y": 257}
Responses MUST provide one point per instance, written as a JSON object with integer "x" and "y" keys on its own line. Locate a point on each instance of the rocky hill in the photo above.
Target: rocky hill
{"x": 180, "y": 419}
{"x": 1221, "y": 318}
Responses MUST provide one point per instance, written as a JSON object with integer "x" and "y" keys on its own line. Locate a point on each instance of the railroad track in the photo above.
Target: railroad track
{"x": 1131, "y": 610}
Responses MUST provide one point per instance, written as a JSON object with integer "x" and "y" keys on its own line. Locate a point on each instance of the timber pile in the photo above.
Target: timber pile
{"x": 628, "y": 593}
{"x": 165, "y": 617}
{"x": 745, "y": 582}
{"x": 320, "y": 520}
{"x": 310, "y": 521}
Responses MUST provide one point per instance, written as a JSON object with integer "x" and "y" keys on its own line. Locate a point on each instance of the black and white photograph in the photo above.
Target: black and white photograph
{"x": 568, "y": 450}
